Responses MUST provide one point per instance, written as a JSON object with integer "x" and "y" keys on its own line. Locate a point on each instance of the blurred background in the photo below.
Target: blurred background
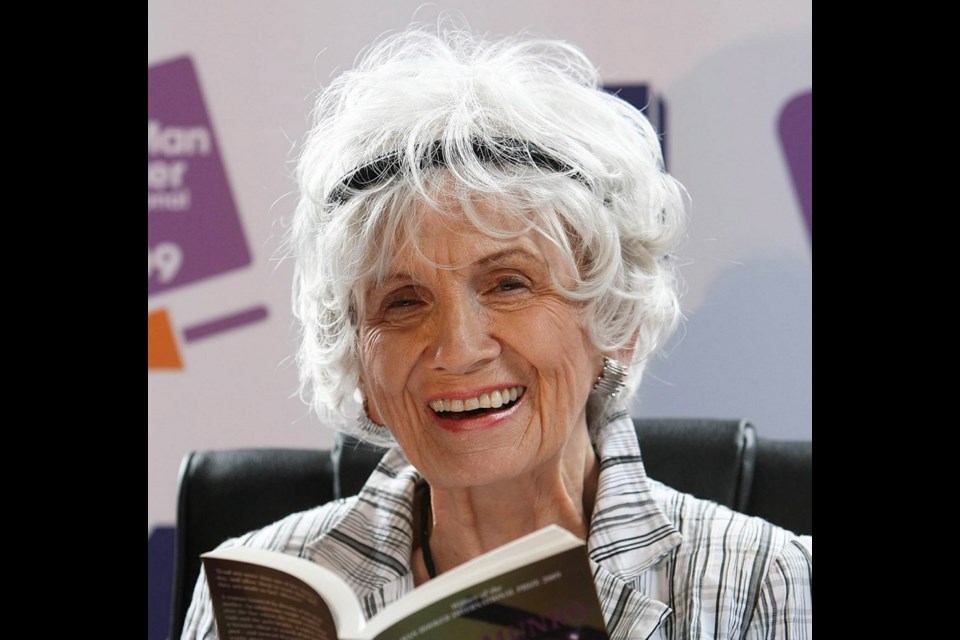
{"x": 230, "y": 87}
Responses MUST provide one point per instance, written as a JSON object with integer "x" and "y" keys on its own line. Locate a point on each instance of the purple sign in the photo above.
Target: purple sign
{"x": 193, "y": 229}
{"x": 796, "y": 136}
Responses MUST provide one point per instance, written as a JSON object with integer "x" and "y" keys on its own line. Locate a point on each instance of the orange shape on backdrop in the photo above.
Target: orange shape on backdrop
{"x": 162, "y": 352}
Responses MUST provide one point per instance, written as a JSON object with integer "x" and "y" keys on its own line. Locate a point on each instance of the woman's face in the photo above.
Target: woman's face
{"x": 444, "y": 352}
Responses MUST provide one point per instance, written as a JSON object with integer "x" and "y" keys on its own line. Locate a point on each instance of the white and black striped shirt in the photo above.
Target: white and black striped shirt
{"x": 666, "y": 565}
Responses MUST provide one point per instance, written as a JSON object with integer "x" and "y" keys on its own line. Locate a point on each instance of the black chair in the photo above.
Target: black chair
{"x": 782, "y": 487}
{"x": 223, "y": 494}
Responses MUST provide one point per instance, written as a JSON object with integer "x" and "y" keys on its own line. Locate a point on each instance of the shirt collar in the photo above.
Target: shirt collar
{"x": 371, "y": 544}
{"x": 629, "y": 532}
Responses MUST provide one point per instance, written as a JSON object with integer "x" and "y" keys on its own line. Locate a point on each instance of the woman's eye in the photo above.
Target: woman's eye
{"x": 402, "y": 299}
{"x": 510, "y": 284}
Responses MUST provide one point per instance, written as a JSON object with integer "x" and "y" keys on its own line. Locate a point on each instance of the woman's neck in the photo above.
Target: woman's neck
{"x": 467, "y": 522}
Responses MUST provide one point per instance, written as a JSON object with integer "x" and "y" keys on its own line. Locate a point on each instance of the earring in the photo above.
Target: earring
{"x": 372, "y": 433}
{"x": 368, "y": 426}
{"x": 369, "y": 431}
{"x": 612, "y": 378}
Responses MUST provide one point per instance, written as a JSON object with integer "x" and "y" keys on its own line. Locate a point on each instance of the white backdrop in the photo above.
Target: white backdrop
{"x": 725, "y": 71}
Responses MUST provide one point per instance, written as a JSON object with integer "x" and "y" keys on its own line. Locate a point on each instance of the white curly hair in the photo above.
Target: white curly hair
{"x": 520, "y": 122}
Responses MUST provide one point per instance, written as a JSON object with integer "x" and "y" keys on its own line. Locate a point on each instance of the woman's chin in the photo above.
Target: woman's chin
{"x": 478, "y": 450}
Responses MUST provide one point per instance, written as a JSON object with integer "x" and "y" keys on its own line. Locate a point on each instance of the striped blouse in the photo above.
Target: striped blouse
{"x": 666, "y": 565}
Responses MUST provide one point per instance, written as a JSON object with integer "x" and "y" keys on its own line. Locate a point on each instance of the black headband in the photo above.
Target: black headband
{"x": 498, "y": 151}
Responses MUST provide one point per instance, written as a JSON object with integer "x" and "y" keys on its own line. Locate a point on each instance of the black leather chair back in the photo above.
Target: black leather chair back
{"x": 782, "y": 487}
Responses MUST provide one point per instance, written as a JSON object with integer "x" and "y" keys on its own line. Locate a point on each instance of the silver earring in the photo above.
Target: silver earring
{"x": 612, "y": 379}
{"x": 368, "y": 426}
{"x": 372, "y": 433}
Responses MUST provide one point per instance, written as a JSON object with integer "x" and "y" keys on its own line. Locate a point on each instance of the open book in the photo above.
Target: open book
{"x": 538, "y": 586}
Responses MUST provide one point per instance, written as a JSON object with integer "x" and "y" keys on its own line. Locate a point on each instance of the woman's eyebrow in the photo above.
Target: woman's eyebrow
{"x": 392, "y": 280}
{"x": 497, "y": 258}
{"x": 508, "y": 254}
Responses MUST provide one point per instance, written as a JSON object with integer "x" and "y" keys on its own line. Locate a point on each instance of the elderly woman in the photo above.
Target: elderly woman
{"x": 482, "y": 241}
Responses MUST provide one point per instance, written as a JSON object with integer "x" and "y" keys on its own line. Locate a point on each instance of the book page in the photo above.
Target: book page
{"x": 550, "y": 598}
{"x": 253, "y": 602}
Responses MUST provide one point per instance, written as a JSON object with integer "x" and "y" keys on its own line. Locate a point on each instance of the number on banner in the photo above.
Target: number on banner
{"x": 163, "y": 261}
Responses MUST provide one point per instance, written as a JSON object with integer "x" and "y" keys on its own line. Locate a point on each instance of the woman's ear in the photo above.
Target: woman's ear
{"x": 625, "y": 355}
{"x": 363, "y": 398}
{"x": 360, "y": 393}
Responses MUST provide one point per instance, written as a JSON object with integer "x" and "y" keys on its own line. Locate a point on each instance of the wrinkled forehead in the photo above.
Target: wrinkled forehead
{"x": 452, "y": 234}
{"x": 443, "y": 231}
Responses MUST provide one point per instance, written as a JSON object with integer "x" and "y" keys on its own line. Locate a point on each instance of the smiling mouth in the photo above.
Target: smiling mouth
{"x": 485, "y": 403}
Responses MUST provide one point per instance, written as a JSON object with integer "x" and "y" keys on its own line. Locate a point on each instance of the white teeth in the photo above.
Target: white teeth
{"x": 492, "y": 400}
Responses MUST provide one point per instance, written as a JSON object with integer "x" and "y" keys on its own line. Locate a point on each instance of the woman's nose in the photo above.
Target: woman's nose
{"x": 461, "y": 341}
